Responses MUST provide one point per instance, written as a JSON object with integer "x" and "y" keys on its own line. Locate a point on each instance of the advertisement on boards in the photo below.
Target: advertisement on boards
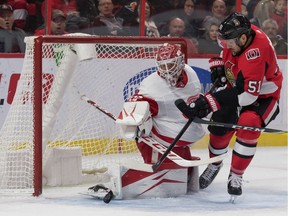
{"x": 10, "y": 71}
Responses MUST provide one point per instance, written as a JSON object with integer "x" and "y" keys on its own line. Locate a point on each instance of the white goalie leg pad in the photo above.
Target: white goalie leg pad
{"x": 134, "y": 116}
{"x": 128, "y": 183}
{"x": 162, "y": 184}
{"x": 193, "y": 180}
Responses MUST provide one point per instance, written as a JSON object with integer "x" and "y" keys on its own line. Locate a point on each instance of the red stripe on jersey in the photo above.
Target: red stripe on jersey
{"x": 169, "y": 139}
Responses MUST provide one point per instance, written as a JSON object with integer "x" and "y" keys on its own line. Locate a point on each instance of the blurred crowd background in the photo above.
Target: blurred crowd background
{"x": 196, "y": 21}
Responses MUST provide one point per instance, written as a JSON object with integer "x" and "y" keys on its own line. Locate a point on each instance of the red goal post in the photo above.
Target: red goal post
{"x": 47, "y": 118}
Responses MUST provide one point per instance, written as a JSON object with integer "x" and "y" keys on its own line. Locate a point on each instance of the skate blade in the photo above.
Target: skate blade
{"x": 233, "y": 199}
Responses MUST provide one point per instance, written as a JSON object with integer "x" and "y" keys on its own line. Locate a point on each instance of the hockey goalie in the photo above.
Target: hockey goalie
{"x": 152, "y": 119}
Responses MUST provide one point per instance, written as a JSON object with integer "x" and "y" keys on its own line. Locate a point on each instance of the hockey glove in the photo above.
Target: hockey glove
{"x": 217, "y": 71}
{"x": 204, "y": 105}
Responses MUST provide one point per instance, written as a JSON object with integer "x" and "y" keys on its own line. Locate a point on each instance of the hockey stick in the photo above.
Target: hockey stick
{"x": 184, "y": 108}
{"x": 97, "y": 106}
{"x": 171, "y": 146}
{"x": 156, "y": 146}
{"x": 236, "y": 126}
{"x": 177, "y": 138}
{"x": 176, "y": 158}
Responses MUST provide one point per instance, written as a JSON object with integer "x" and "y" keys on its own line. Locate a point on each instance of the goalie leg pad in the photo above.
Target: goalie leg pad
{"x": 162, "y": 184}
{"x": 131, "y": 184}
{"x": 193, "y": 180}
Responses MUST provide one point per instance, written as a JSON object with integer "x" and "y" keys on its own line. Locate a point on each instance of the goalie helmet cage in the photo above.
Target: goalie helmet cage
{"x": 47, "y": 111}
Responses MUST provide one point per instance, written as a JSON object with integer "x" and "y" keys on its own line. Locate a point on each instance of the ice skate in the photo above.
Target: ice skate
{"x": 101, "y": 191}
{"x": 234, "y": 186}
{"x": 209, "y": 175}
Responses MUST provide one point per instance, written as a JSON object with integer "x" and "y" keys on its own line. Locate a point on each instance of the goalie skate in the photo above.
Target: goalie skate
{"x": 100, "y": 192}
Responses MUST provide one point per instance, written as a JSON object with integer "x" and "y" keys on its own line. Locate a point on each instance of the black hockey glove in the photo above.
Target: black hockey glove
{"x": 217, "y": 71}
{"x": 204, "y": 105}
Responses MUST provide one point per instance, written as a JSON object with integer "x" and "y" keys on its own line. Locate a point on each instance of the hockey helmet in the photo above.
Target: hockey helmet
{"x": 170, "y": 62}
{"x": 234, "y": 26}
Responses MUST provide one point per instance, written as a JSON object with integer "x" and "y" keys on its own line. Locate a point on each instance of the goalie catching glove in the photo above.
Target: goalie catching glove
{"x": 135, "y": 120}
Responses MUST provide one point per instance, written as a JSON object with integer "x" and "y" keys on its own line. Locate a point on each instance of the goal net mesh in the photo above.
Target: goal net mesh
{"x": 105, "y": 71}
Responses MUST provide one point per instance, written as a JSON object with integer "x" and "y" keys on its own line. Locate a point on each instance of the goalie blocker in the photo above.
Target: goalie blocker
{"x": 170, "y": 180}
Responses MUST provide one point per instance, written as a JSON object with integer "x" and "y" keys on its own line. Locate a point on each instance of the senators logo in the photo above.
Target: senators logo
{"x": 228, "y": 72}
{"x": 252, "y": 54}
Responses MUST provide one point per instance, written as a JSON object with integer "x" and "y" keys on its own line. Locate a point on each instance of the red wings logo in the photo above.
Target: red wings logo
{"x": 252, "y": 54}
{"x": 192, "y": 99}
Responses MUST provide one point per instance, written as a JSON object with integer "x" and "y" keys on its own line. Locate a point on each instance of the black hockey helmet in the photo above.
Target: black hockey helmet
{"x": 234, "y": 26}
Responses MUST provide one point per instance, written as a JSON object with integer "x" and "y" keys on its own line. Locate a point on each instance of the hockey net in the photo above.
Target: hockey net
{"x": 62, "y": 69}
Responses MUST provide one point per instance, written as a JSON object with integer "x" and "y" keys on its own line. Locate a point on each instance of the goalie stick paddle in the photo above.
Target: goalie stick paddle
{"x": 136, "y": 165}
{"x": 176, "y": 158}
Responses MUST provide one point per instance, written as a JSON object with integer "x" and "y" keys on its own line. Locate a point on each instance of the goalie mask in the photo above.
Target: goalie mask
{"x": 170, "y": 63}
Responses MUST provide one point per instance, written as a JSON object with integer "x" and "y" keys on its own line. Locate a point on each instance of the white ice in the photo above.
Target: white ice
{"x": 264, "y": 194}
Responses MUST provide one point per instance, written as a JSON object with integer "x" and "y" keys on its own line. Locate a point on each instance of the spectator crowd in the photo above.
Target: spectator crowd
{"x": 195, "y": 21}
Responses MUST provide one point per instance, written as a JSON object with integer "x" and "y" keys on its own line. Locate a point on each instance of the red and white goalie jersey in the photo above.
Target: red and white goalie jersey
{"x": 167, "y": 119}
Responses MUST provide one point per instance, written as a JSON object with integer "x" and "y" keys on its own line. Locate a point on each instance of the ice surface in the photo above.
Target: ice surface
{"x": 264, "y": 194}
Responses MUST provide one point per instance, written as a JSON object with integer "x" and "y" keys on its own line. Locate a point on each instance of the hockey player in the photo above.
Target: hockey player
{"x": 253, "y": 83}
{"x": 152, "y": 119}
{"x": 150, "y": 114}
{"x": 172, "y": 80}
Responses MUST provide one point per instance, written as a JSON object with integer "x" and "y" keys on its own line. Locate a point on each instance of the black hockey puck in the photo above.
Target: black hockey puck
{"x": 108, "y": 197}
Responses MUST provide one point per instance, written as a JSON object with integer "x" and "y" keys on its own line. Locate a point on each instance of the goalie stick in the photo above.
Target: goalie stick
{"x": 156, "y": 146}
{"x": 97, "y": 106}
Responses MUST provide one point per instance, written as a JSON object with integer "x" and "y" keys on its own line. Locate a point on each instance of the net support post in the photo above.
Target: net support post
{"x": 37, "y": 109}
